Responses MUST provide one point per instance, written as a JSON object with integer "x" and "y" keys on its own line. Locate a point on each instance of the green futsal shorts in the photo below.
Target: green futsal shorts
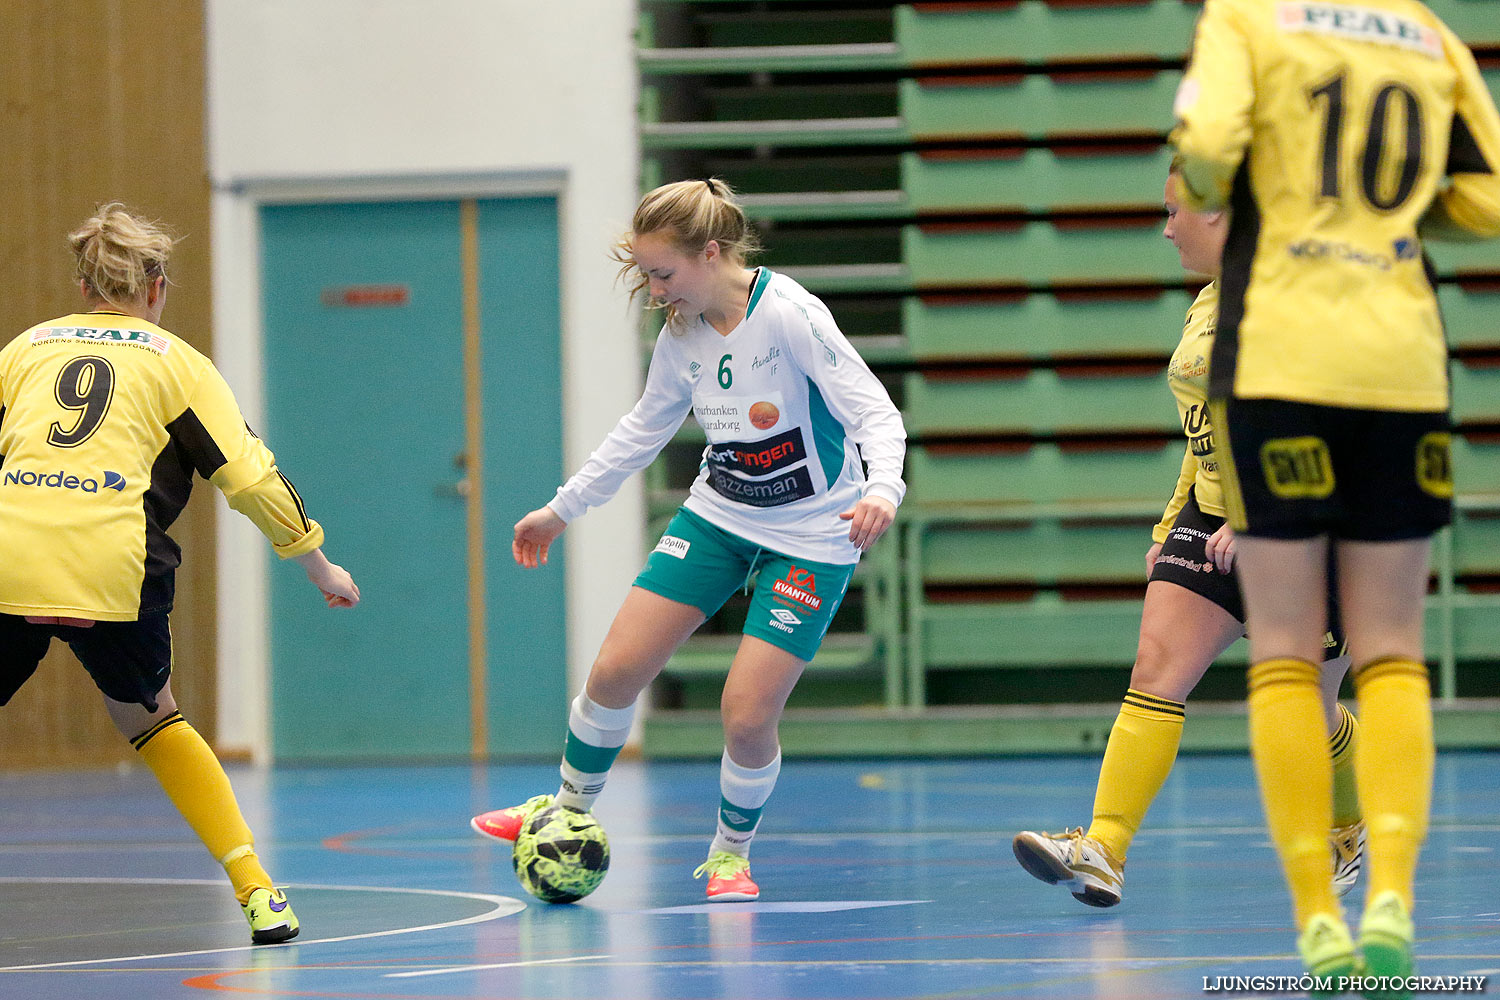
{"x": 793, "y": 601}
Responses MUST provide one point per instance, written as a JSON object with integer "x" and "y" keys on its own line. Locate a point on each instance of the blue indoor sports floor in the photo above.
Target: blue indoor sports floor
{"x": 879, "y": 879}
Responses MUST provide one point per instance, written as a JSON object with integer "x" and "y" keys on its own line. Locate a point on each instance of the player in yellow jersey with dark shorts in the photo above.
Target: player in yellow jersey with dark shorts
{"x": 1193, "y": 612}
{"x": 1339, "y": 135}
{"x": 104, "y": 419}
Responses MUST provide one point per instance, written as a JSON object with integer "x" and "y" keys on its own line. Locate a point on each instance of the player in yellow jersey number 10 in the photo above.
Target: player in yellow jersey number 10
{"x": 1340, "y": 137}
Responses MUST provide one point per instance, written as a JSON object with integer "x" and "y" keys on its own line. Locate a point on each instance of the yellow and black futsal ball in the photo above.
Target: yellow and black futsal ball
{"x": 561, "y": 854}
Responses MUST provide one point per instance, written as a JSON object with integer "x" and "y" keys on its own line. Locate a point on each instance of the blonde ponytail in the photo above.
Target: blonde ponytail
{"x": 693, "y": 214}
{"x": 119, "y": 254}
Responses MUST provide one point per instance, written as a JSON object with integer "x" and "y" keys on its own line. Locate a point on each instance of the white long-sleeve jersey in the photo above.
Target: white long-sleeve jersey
{"x": 789, "y": 409}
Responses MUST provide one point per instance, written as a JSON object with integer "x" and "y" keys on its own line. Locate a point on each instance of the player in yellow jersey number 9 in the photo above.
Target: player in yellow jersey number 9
{"x": 104, "y": 419}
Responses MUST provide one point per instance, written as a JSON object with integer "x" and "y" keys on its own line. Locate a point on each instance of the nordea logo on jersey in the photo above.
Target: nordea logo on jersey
{"x": 64, "y": 481}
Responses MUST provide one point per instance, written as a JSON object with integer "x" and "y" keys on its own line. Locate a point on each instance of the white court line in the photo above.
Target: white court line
{"x": 790, "y": 836}
{"x": 504, "y": 907}
{"x": 864, "y": 836}
{"x": 777, "y": 906}
{"x": 497, "y": 965}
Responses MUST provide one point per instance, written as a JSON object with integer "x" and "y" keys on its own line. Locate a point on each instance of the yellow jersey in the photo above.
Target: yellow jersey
{"x": 104, "y": 419}
{"x": 1187, "y": 376}
{"x": 1337, "y": 134}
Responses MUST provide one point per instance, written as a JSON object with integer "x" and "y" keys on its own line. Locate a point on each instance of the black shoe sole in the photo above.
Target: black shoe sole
{"x": 1040, "y": 864}
{"x": 1096, "y": 897}
{"x": 274, "y": 935}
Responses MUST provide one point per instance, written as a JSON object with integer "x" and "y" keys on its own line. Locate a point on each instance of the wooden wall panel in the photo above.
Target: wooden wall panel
{"x": 104, "y": 100}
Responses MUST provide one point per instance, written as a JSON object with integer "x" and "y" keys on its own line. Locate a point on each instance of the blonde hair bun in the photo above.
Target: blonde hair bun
{"x": 120, "y": 253}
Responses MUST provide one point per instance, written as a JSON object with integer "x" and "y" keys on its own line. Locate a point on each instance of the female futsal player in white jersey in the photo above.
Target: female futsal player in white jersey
{"x": 801, "y": 474}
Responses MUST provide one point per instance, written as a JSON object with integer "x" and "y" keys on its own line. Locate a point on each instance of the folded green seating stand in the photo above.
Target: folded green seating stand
{"x": 1039, "y": 401}
{"x": 1042, "y": 325}
{"x": 1035, "y": 180}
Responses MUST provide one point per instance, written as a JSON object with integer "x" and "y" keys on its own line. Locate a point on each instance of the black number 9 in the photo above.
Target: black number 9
{"x": 85, "y": 385}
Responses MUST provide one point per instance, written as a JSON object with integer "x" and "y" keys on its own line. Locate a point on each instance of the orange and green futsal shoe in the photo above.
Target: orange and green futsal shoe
{"x": 728, "y": 878}
{"x": 505, "y": 824}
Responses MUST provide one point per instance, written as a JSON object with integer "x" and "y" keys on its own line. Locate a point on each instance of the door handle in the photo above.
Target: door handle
{"x": 462, "y": 488}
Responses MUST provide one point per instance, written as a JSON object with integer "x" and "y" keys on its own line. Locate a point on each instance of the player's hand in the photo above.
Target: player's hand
{"x": 868, "y": 520}
{"x": 1151, "y": 554}
{"x": 1220, "y": 548}
{"x": 534, "y": 535}
{"x": 335, "y": 583}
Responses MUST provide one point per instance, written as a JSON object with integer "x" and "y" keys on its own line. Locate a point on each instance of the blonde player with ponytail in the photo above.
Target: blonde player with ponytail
{"x": 802, "y": 473}
{"x": 104, "y": 418}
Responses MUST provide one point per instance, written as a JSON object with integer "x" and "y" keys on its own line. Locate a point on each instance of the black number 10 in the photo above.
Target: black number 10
{"x": 1376, "y": 137}
{"x": 85, "y": 385}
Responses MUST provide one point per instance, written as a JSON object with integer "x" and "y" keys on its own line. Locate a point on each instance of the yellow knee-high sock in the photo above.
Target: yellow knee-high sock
{"x": 1142, "y": 748}
{"x": 194, "y": 780}
{"x": 1342, "y": 747}
{"x": 1394, "y": 768}
{"x": 1289, "y": 743}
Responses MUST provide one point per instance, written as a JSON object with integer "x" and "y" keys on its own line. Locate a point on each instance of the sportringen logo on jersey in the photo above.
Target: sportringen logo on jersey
{"x": 1360, "y": 24}
{"x": 756, "y": 458}
{"x": 130, "y": 338}
{"x": 64, "y": 481}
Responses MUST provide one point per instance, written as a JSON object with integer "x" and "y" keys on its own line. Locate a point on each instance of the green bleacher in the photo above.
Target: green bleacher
{"x": 1098, "y": 399}
{"x": 975, "y": 189}
{"x": 1042, "y": 326}
{"x": 1054, "y": 476}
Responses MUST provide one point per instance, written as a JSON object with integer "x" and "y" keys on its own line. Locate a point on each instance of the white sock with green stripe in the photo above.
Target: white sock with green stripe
{"x": 745, "y": 791}
{"x": 595, "y": 736}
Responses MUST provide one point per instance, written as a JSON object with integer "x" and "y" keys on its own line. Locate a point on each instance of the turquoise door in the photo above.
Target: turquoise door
{"x": 367, "y": 412}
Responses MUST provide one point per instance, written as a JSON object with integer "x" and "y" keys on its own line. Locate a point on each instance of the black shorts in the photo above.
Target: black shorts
{"x": 1300, "y": 470}
{"x": 129, "y": 661}
{"x": 1183, "y": 560}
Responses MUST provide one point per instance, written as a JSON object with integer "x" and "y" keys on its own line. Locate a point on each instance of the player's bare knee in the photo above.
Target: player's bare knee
{"x": 132, "y": 720}
{"x": 748, "y": 725}
{"x": 1159, "y": 669}
{"x": 617, "y": 678}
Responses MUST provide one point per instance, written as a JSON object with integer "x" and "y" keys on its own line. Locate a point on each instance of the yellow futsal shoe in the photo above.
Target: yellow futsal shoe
{"x": 1327, "y": 950}
{"x": 271, "y": 917}
{"x": 1385, "y": 937}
